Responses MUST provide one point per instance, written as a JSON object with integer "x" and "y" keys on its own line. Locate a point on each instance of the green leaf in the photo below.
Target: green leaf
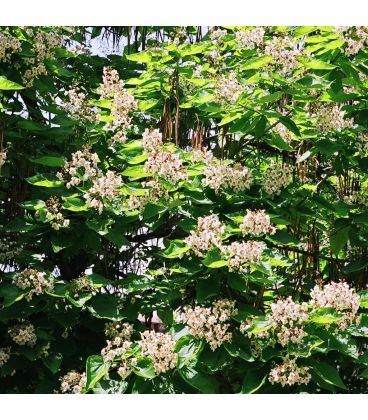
{"x": 106, "y": 306}
{"x": 138, "y": 159}
{"x": 363, "y": 298}
{"x": 214, "y": 259}
{"x": 207, "y": 287}
{"x": 290, "y": 125}
{"x": 135, "y": 172}
{"x": 318, "y": 65}
{"x": 339, "y": 239}
{"x": 327, "y": 373}
{"x": 96, "y": 368}
{"x": 147, "y": 104}
{"x": 45, "y": 180}
{"x": 117, "y": 238}
{"x": 187, "y": 349}
{"x": 53, "y": 362}
{"x": 74, "y": 204}
{"x": 6, "y": 84}
{"x": 144, "y": 368}
{"x": 253, "y": 381}
{"x": 324, "y": 316}
{"x": 53, "y": 161}
{"x": 141, "y": 57}
{"x": 175, "y": 249}
{"x": 11, "y": 294}
{"x": 203, "y": 382}
{"x": 256, "y": 63}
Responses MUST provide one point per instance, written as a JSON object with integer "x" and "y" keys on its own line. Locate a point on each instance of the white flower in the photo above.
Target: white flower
{"x": 166, "y": 165}
{"x": 220, "y": 176}
{"x": 284, "y": 52}
{"x": 228, "y": 89}
{"x": 2, "y": 158}
{"x": 257, "y": 223}
{"x": 240, "y": 253}
{"x": 77, "y": 104}
{"x": 210, "y": 323}
{"x": 54, "y": 216}
{"x": 82, "y": 167}
{"x": 33, "y": 280}
{"x": 9, "y": 45}
{"x": 4, "y": 355}
{"x": 122, "y": 103}
{"x": 276, "y": 177}
{"x": 153, "y": 193}
{"x": 289, "y": 373}
{"x": 159, "y": 348}
{"x": 152, "y": 140}
{"x": 338, "y": 296}
{"x": 23, "y": 334}
{"x": 106, "y": 187}
{"x": 73, "y": 382}
{"x": 250, "y": 39}
{"x": 288, "y": 317}
{"x": 206, "y": 235}
{"x": 331, "y": 117}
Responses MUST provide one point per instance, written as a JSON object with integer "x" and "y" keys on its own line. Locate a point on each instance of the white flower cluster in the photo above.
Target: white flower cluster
{"x": 82, "y": 50}
{"x": 289, "y": 373}
{"x": 153, "y": 193}
{"x": 119, "y": 329}
{"x": 219, "y": 176}
{"x": 356, "y": 38}
{"x": 120, "y": 334}
{"x": 331, "y": 117}
{"x": 166, "y": 165}
{"x": 257, "y": 223}
{"x": 77, "y": 105}
{"x": 240, "y": 253}
{"x": 122, "y": 103}
{"x": 53, "y": 214}
{"x": 338, "y": 296}
{"x": 43, "y": 45}
{"x": 362, "y": 145}
{"x": 4, "y": 355}
{"x": 217, "y": 35}
{"x": 276, "y": 177}
{"x": 284, "y": 52}
{"x": 159, "y": 347}
{"x": 125, "y": 367}
{"x": 206, "y": 235}
{"x": 9, "y": 248}
{"x": 116, "y": 347}
{"x": 152, "y": 140}
{"x": 357, "y": 197}
{"x": 33, "y": 280}
{"x": 283, "y": 132}
{"x": 105, "y": 187}
{"x": 82, "y": 167}
{"x": 203, "y": 155}
{"x": 73, "y": 382}
{"x": 9, "y": 45}
{"x": 288, "y": 318}
{"x": 44, "y": 351}
{"x": 2, "y": 158}
{"x": 81, "y": 284}
{"x": 250, "y": 39}
{"x": 211, "y": 323}
{"x": 23, "y": 334}
{"x": 228, "y": 89}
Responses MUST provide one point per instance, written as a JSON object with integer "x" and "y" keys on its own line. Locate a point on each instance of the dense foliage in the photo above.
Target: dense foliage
{"x": 189, "y": 216}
